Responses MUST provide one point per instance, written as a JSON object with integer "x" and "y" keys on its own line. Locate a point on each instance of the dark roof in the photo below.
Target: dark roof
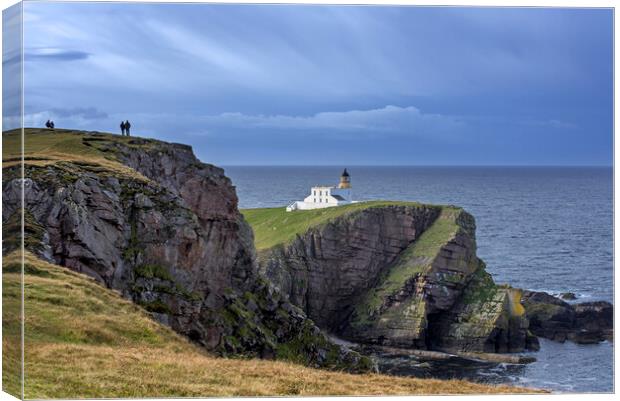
{"x": 345, "y": 173}
{"x": 338, "y": 197}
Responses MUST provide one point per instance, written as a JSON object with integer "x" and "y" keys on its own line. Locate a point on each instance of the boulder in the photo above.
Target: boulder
{"x": 552, "y": 318}
{"x": 568, "y": 296}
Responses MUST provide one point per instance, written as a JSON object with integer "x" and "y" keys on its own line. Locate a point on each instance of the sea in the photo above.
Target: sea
{"x": 539, "y": 228}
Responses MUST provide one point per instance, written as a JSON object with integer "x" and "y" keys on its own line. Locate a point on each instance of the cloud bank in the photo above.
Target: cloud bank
{"x": 386, "y": 120}
{"x": 470, "y": 85}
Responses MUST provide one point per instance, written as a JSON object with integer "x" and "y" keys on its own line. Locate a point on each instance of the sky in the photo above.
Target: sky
{"x": 328, "y": 85}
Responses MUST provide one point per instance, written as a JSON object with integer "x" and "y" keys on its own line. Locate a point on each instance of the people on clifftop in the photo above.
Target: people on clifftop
{"x": 49, "y": 124}
{"x": 125, "y": 125}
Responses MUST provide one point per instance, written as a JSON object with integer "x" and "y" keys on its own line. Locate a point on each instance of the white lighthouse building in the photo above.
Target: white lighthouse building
{"x": 326, "y": 196}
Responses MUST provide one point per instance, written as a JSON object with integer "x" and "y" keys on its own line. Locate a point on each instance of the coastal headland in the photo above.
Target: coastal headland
{"x": 147, "y": 245}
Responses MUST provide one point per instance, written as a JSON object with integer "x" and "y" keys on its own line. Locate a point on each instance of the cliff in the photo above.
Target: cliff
{"x": 148, "y": 219}
{"x": 83, "y": 340}
{"x": 391, "y": 273}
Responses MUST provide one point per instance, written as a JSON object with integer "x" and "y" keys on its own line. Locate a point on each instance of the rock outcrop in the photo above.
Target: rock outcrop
{"x": 327, "y": 268}
{"x": 150, "y": 220}
{"x": 400, "y": 275}
{"x": 552, "y": 318}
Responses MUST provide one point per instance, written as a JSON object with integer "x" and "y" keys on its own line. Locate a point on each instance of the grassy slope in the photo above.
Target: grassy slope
{"x": 83, "y": 340}
{"x": 274, "y": 226}
{"x": 44, "y": 147}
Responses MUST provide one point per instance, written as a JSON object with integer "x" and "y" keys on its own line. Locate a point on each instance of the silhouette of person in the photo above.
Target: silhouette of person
{"x": 51, "y": 124}
{"x": 122, "y": 128}
{"x": 127, "y": 126}
{"x": 48, "y": 124}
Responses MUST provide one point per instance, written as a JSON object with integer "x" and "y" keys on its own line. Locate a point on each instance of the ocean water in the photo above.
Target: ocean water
{"x": 540, "y": 228}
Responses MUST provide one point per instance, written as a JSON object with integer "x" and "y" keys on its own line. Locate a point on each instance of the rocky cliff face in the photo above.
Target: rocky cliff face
{"x": 166, "y": 233}
{"x": 325, "y": 270}
{"x": 400, "y": 275}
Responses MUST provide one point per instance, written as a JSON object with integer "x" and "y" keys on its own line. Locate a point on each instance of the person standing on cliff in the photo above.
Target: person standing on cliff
{"x": 48, "y": 124}
{"x": 122, "y": 128}
{"x": 127, "y": 126}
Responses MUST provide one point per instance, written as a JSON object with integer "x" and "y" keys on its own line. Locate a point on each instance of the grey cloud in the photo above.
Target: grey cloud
{"x": 553, "y": 123}
{"x": 51, "y": 54}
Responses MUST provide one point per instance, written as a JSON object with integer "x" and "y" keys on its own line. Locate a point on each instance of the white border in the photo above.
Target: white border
{"x": 471, "y": 3}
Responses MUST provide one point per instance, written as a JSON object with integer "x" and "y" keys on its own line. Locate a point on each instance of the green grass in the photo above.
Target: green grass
{"x": 85, "y": 341}
{"x": 274, "y": 226}
{"x": 437, "y": 235}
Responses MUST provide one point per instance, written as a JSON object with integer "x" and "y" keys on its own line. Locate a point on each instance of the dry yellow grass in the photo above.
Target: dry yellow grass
{"x": 43, "y": 147}
{"x": 85, "y": 341}
{"x": 98, "y": 371}
{"x": 11, "y": 333}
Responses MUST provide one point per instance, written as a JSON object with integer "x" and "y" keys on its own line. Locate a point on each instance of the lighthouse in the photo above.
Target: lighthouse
{"x": 345, "y": 180}
{"x": 326, "y": 196}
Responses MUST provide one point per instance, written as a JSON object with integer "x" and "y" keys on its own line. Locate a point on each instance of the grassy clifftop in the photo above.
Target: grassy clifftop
{"x": 274, "y": 226}
{"x": 61, "y": 148}
{"x": 85, "y": 341}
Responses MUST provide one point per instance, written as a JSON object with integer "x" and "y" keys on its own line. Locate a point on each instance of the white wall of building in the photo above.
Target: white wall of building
{"x": 322, "y": 196}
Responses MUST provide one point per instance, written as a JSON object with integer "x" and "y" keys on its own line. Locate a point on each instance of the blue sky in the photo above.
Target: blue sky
{"x": 335, "y": 85}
